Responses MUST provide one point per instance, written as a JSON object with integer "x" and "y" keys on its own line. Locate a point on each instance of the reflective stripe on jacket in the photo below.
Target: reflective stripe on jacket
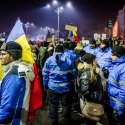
{"x": 58, "y": 75}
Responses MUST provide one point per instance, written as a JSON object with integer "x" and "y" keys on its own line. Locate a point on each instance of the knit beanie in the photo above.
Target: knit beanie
{"x": 92, "y": 41}
{"x": 88, "y": 58}
{"x": 13, "y": 48}
{"x": 106, "y": 42}
{"x": 59, "y": 48}
{"x": 66, "y": 45}
{"x": 118, "y": 51}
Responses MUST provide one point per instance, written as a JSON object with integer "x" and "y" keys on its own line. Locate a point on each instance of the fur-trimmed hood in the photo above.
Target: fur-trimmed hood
{"x": 82, "y": 66}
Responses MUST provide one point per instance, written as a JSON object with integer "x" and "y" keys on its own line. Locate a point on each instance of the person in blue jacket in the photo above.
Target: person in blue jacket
{"x": 14, "y": 86}
{"x": 58, "y": 78}
{"x": 116, "y": 87}
{"x": 68, "y": 52}
{"x": 92, "y": 47}
{"x": 103, "y": 55}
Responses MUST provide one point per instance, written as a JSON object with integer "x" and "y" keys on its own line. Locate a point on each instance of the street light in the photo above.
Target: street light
{"x": 48, "y": 6}
{"x": 27, "y": 25}
{"x": 69, "y": 4}
{"x": 58, "y": 11}
{"x": 55, "y": 2}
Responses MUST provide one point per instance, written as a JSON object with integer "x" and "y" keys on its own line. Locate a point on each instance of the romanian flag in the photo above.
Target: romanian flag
{"x": 75, "y": 36}
{"x": 17, "y": 34}
{"x": 1, "y": 73}
{"x": 70, "y": 36}
{"x": 115, "y": 29}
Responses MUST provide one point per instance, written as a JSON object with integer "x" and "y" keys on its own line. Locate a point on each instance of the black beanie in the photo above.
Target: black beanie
{"x": 92, "y": 41}
{"x": 59, "y": 48}
{"x": 66, "y": 45}
{"x": 118, "y": 51}
{"x": 13, "y": 48}
{"x": 88, "y": 58}
{"x": 106, "y": 42}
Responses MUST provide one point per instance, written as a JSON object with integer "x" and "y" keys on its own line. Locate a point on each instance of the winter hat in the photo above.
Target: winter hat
{"x": 66, "y": 45}
{"x": 88, "y": 58}
{"x": 13, "y": 48}
{"x": 106, "y": 42}
{"x": 118, "y": 51}
{"x": 59, "y": 48}
{"x": 92, "y": 41}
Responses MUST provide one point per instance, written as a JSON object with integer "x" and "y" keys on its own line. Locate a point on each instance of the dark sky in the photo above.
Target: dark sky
{"x": 87, "y": 15}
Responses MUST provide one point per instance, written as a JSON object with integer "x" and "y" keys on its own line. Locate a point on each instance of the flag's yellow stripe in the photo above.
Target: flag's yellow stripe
{"x": 26, "y": 54}
{"x": 1, "y": 73}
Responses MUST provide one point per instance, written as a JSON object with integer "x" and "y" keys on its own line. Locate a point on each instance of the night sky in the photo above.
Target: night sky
{"x": 87, "y": 15}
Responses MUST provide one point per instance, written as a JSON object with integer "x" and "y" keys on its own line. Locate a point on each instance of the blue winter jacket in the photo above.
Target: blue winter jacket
{"x": 103, "y": 57}
{"x": 58, "y": 75}
{"x": 116, "y": 84}
{"x": 91, "y": 50}
{"x": 15, "y": 94}
{"x": 70, "y": 54}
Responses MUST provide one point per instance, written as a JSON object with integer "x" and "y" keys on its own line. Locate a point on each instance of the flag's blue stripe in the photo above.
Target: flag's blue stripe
{"x": 16, "y": 32}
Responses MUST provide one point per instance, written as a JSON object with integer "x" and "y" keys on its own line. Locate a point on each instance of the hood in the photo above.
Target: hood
{"x": 59, "y": 57}
{"x": 28, "y": 69}
{"x": 82, "y": 66}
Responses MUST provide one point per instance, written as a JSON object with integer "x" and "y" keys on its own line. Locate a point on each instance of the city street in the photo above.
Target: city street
{"x": 77, "y": 119}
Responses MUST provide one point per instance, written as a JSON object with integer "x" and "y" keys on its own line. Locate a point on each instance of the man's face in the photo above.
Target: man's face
{"x": 113, "y": 56}
{"x": 102, "y": 46}
{"x": 5, "y": 57}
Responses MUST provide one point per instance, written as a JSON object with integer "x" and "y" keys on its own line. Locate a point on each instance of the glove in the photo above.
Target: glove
{"x": 116, "y": 116}
{"x": 105, "y": 72}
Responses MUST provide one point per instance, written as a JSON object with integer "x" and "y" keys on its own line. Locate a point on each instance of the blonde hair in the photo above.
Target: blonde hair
{"x": 79, "y": 46}
{"x": 92, "y": 66}
{"x": 93, "y": 71}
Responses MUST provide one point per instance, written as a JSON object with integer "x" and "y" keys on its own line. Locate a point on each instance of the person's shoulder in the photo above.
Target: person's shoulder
{"x": 50, "y": 59}
{"x": 13, "y": 70}
{"x": 11, "y": 75}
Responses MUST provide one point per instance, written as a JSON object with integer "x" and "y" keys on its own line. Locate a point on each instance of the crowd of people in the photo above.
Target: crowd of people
{"x": 94, "y": 72}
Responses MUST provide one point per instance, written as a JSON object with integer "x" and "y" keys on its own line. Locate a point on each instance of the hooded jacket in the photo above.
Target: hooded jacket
{"x": 116, "y": 84}
{"x": 70, "y": 54}
{"x": 103, "y": 57}
{"x": 15, "y": 93}
{"x": 88, "y": 49}
{"x": 58, "y": 74}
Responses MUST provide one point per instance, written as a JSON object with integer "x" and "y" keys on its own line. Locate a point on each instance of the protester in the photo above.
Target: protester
{"x": 79, "y": 57}
{"x": 116, "y": 87}
{"x": 15, "y": 85}
{"x": 68, "y": 52}
{"x": 34, "y": 51}
{"x": 103, "y": 55}
{"x": 78, "y": 48}
{"x": 90, "y": 82}
{"x": 42, "y": 55}
{"x": 58, "y": 76}
{"x": 92, "y": 47}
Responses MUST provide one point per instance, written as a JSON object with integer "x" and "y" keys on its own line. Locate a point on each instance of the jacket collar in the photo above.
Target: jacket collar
{"x": 8, "y": 66}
